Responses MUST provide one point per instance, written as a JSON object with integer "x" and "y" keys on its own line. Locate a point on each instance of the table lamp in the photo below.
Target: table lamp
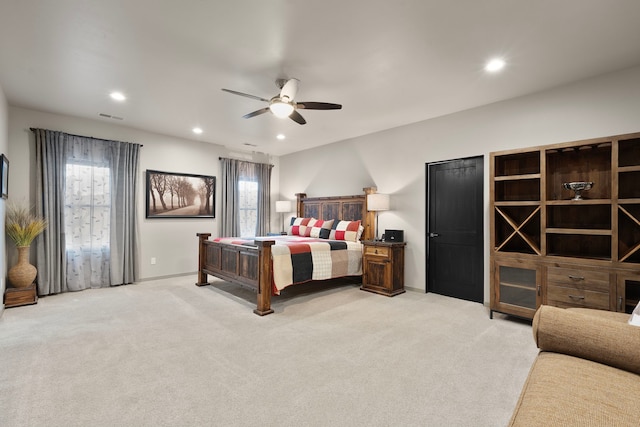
{"x": 377, "y": 202}
{"x": 283, "y": 206}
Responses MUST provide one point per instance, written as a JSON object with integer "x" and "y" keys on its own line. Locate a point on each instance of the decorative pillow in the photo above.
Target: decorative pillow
{"x": 345, "y": 230}
{"x": 635, "y": 316}
{"x": 319, "y": 229}
{"x": 299, "y": 226}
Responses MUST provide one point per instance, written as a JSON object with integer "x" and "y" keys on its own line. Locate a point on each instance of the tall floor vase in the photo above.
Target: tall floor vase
{"x": 23, "y": 273}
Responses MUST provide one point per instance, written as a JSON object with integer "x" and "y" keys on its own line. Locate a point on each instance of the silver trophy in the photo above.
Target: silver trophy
{"x": 578, "y": 188}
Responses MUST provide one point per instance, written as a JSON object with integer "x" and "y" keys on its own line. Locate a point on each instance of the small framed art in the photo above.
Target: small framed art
{"x": 4, "y": 176}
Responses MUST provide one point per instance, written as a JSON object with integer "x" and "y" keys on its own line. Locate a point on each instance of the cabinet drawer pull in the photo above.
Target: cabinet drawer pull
{"x": 576, "y": 277}
{"x": 579, "y": 297}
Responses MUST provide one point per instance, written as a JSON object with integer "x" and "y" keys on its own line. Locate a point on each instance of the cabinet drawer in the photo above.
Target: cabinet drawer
{"x": 562, "y": 296}
{"x": 380, "y": 251}
{"x": 579, "y": 279}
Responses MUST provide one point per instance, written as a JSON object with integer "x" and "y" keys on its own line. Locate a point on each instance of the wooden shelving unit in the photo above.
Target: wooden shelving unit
{"x": 565, "y": 252}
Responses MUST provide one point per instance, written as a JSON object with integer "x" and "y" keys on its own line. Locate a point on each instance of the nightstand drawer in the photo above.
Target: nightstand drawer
{"x": 381, "y": 251}
{"x": 562, "y": 296}
{"x": 579, "y": 279}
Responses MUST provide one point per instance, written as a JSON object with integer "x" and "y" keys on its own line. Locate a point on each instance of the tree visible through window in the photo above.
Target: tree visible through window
{"x": 248, "y": 202}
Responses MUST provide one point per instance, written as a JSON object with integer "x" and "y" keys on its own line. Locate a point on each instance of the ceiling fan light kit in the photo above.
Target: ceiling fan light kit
{"x": 281, "y": 109}
{"x": 283, "y": 104}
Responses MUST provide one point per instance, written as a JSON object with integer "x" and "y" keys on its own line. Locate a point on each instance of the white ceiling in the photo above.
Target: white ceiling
{"x": 389, "y": 63}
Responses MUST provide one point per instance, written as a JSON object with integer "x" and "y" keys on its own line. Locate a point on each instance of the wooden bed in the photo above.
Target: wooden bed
{"x": 251, "y": 266}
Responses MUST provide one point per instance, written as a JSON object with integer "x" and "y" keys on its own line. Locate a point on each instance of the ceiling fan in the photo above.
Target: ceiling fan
{"x": 284, "y": 104}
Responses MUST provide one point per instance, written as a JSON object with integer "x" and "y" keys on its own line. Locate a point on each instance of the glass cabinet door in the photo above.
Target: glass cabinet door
{"x": 518, "y": 290}
{"x": 628, "y": 292}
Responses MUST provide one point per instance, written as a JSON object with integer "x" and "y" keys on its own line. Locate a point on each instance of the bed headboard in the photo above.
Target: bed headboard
{"x": 348, "y": 208}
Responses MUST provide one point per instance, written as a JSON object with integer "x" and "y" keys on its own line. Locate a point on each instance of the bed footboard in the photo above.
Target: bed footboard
{"x": 245, "y": 265}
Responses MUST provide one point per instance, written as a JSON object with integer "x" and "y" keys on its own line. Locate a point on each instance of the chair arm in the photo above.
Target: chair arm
{"x": 600, "y": 338}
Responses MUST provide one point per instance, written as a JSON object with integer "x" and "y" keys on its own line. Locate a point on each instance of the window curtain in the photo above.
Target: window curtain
{"x": 233, "y": 171}
{"x": 81, "y": 184}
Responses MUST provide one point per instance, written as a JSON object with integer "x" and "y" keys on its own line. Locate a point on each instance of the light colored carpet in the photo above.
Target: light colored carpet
{"x": 167, "y": 353}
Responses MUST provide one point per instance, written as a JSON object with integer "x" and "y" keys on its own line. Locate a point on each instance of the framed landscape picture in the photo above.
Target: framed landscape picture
{"x": 180, "y": 195}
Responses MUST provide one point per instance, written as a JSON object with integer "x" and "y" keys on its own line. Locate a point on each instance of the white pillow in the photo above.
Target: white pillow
{"x": 635, "y": 316}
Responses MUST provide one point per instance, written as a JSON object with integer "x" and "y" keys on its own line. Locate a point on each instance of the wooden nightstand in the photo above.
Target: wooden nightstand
{"x": 383, "y": 267}
{"x": 15, "y": 297}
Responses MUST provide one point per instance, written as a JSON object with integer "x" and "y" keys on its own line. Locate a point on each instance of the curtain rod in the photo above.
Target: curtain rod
{"x": 84, "y": 136}
{"x": 246, "y": 161}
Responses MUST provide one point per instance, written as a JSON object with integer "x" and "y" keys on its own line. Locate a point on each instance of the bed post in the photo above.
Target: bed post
{"x": 369, "y": 217}
{"x": 299, "y": 204}
{"x": 265, "y": 283}
{"x": 202, "y": 256}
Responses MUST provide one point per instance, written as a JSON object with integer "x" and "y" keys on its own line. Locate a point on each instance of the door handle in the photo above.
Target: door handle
{"x": 433, "y": 234}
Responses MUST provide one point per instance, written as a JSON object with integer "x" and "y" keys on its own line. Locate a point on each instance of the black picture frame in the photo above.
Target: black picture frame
{"x": 4, "y": 176}
{"x": 180, "y": 195}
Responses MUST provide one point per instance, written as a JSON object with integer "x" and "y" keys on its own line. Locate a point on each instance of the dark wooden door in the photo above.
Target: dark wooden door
{"x": 455, "y": 239}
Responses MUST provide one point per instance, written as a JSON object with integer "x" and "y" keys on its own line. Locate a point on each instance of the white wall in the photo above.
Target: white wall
{"x": 4, "y": 148}
{"x": 394, "y": 160}
{"x": 172, "y": 242}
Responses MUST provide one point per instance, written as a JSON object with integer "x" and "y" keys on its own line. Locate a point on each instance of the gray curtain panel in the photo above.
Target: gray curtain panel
{"x": 50, "y": 172}
{"x": 124, "y": 167}
{"x": 61, "y": 268}
{"x": 263, "y": 175}
{"x": 230, "y": 197}
{"x": 234, "y": 171}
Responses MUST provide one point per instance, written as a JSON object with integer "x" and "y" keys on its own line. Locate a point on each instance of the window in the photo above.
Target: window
{"x": 87, "y": 221}
{"x": 87, "y": 193}
{"x": 248, "y": 207}
{"x": 87, "y": 206}
{"x": 245, "y": 198}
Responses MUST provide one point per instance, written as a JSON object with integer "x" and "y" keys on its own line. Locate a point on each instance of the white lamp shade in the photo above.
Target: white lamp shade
{"x": 283, "y": 206}
{"x": 378, "y": 202}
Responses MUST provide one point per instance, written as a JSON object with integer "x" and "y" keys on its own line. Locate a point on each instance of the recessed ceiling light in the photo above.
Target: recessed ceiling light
{"x": 280, "y": 136}
{"x": 118, "y": 96}
{"x": 197, "y": 130}
{"x": 494, "y": 65}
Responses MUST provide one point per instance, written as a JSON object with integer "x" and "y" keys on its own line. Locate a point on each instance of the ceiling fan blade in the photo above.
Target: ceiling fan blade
{"x": 318, "y": 106}
{"x": 256, "y": 113}
{"x": 296, "y": 117}
{"x": 289, "y": 89}
{"x": 245, "y": 95}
